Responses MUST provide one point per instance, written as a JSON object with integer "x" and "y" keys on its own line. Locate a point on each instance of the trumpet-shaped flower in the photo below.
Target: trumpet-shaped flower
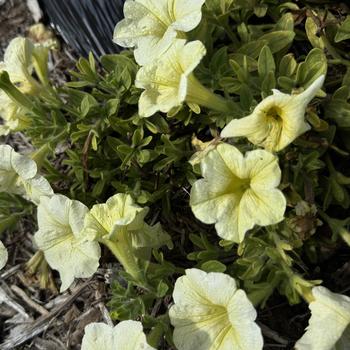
{"x": 151, "y": 26}
{"x": 3, "y": 255}
{"x": 238, "y": 191}
{"x": 61, "y": 238}
{"x": 126, "y": 335}
{"x": 277, "y": 120}
{"x": 18, "y": 174}
{"x": 119, "y": 224}
{"x": 120, "y": 214}
{"x": 329, "y": 325}
{"x": 210, "y": 313}
{"x": 169, "y": 81}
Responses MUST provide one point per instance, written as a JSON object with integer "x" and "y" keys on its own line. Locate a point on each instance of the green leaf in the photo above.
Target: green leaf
{"x": 312, "y": 30}
{"x": 343, "y": 32}
{"x": 213, "y": 266}
{"x": 288, "y": 65}
{"x": 266, "y": 62}
{"x": 276, "y": 41}
{"x": 286, "y": 22}
{"x": 86, "y": 104}
{"x": 314, "y": 66}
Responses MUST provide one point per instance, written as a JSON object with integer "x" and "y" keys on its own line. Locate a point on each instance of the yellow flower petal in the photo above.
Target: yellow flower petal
{"x": 277, "y": 120}
{"x": 126, "y": 335}
{"x": 238, "y": 192}
{"x": 210, "y": 313}
{"x": 329, "y": 325}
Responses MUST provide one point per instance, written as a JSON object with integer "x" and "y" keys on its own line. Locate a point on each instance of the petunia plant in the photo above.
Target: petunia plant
{"x": 201, "y": 175}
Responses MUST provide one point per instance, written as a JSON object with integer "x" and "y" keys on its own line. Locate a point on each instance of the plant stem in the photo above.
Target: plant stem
{"x": 200, "y": 95}
{"x": 123, "y": 251}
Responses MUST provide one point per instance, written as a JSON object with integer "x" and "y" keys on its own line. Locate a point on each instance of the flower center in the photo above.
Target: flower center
{"x": 238, "y": 186}
{"x": 274, "y": 114}
{"x": 274, "y": 127}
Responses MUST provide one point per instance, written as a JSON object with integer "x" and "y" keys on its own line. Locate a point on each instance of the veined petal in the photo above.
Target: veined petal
{"x": 18, "y": 59}
{"x": 231, "y": 225}
{"x": 139, "y": 22}
{"x": 190, "y": 56}
{"x": 208, "y": 313}
{"x": 36, "y": 188}
{"x": 266, "y": 206}
{"x": 329, "y": 322}
{"x": 306, "y": 96}
{"x": 188, "y": 14}
{"x": 197, "y": 287}
{"x": 3, "y": 255}
{"x": 209, "y": 205}
{"x": 151, "y": 48}
{"x": 126, "y": 335}
{"x": 251, "y": 126}
{"x": 148, "y": 103}
{"x": 264, "y": 170}
{"x": 242, "y": 315}
{"x": 225, "y": 161}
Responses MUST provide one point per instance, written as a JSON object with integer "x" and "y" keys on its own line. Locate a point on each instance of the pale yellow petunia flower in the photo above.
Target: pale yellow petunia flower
{"x": 277, "y": 120}
{"x": 211, "y": 313}
{"x": 119, "y": 224}
{"x": 329, "y": 325}
{"x": 61, "y": 238}
{"x": 151, "y": 26}
{"x": 170, "y": 81}
{"x": 126, "y": 335}
{"x": 238, "y": 192}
